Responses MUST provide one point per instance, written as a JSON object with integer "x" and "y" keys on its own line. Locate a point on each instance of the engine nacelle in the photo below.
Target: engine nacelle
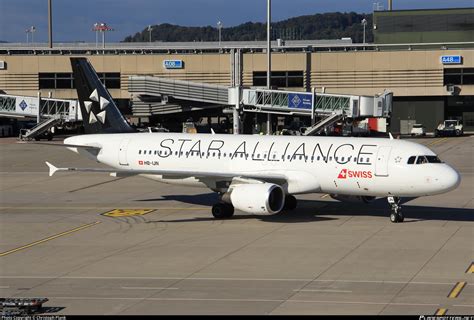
{"x": 258, "y": 198}
{"x": 347, "y": 198}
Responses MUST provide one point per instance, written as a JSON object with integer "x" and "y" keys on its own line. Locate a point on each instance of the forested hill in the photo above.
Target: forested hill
{"x": 334, "y": 25}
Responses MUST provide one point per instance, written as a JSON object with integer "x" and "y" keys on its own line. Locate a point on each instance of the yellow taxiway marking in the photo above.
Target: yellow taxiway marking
{"x": 432, "y": 143}
{"x": 127, "y": 212}
{"x": 441, "y": 312}
{"x": 457, "y": 289}
{"x": 471, "y": 268}
{"x": 49, "y": 238}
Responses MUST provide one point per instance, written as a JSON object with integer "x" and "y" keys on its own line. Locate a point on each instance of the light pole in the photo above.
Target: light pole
{"x": 96, "y": 29}
{"x": 50, "y": 24}
{"x": 150, "y": 28}
{"x": 269, "y": 59}
{"x": 219, "y": 27}
{"x": 32, "y": 30}
{"x": 101, "y": 27}
{"x": 364, "y": 23}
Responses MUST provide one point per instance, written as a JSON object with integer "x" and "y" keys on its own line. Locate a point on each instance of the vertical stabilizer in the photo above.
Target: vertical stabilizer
{"x": 99, "y": 111}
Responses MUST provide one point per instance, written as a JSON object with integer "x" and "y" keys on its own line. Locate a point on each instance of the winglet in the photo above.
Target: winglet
{"x": 52, "y": 169}
{"x": 390, "y": 135}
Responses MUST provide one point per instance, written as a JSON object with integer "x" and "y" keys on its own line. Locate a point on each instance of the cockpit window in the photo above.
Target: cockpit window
{"x": 423, "y": 159}
{"x": 433, "y": 159}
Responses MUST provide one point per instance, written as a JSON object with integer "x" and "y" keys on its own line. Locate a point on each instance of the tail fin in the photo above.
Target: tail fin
{"x": 99, "y": 112}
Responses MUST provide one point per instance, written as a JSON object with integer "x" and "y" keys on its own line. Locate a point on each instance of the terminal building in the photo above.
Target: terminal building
{"x": 424, "y": 57}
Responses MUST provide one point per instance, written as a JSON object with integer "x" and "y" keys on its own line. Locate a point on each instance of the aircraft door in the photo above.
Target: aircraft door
{"x": 381, "y": 163}
{"x": 123, "y": 152}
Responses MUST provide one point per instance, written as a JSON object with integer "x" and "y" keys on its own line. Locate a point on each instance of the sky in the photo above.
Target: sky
{"x": 73, "y": 19}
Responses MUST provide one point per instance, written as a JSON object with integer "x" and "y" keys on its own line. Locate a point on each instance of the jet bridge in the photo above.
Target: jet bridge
{"x": 316, "y": 104}
{"x": 153, "y": 95}
{"x": 48, "y": 112}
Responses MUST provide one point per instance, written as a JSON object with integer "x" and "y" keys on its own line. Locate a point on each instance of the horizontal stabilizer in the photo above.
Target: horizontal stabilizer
{"x": 52, "y": 169}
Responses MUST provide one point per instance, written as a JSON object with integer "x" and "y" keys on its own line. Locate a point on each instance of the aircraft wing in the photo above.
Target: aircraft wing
{"x": 174, "y": 173}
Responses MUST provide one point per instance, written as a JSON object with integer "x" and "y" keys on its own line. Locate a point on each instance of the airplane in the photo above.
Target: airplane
{"x": 254, "y": 173}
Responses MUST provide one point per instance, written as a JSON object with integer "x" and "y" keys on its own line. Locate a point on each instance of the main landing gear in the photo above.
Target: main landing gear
{"x": 396, "y": 214}
{"x": 222, "y": 210}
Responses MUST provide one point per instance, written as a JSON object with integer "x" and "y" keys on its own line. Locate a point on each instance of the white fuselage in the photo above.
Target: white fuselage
{"x": 335, "y": 165}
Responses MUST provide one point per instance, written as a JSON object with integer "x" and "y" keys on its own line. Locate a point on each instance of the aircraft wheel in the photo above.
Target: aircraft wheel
{"x": 394, "y": 217}
{"x": 290, "y": 203}
{"x": 222, "y": 210}
{"x": 401, "y": 217}
{"x": 397, "y": 217}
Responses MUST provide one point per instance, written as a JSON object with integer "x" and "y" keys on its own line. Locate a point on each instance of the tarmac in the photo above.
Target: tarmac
{"x": 94, "y": 244}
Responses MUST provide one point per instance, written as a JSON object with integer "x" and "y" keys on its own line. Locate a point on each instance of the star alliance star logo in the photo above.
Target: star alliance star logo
{"x": 93, "y": 118}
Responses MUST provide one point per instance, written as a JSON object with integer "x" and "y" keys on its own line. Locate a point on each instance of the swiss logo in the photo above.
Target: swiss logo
{"x": 342, "y": 174}
{"x": 347, "y": 174}
{"x": 140, "y": 162}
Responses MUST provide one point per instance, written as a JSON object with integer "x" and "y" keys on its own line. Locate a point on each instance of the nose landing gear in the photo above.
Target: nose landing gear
{"x": 396, "y": 214}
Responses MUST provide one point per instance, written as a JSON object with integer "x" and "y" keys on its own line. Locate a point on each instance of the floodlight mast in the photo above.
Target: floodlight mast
{"x": 269, "y": 59}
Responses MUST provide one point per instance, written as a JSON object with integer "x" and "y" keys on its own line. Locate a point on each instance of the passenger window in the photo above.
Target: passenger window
{"x": 139, "y": 152}
{"x": 149, "y": 152}
{"x": 411, "y": 160}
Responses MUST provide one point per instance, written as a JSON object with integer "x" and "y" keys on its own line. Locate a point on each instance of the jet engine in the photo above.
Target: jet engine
{"x": 261, "y": 198}
{"x": 347, "y": 198}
